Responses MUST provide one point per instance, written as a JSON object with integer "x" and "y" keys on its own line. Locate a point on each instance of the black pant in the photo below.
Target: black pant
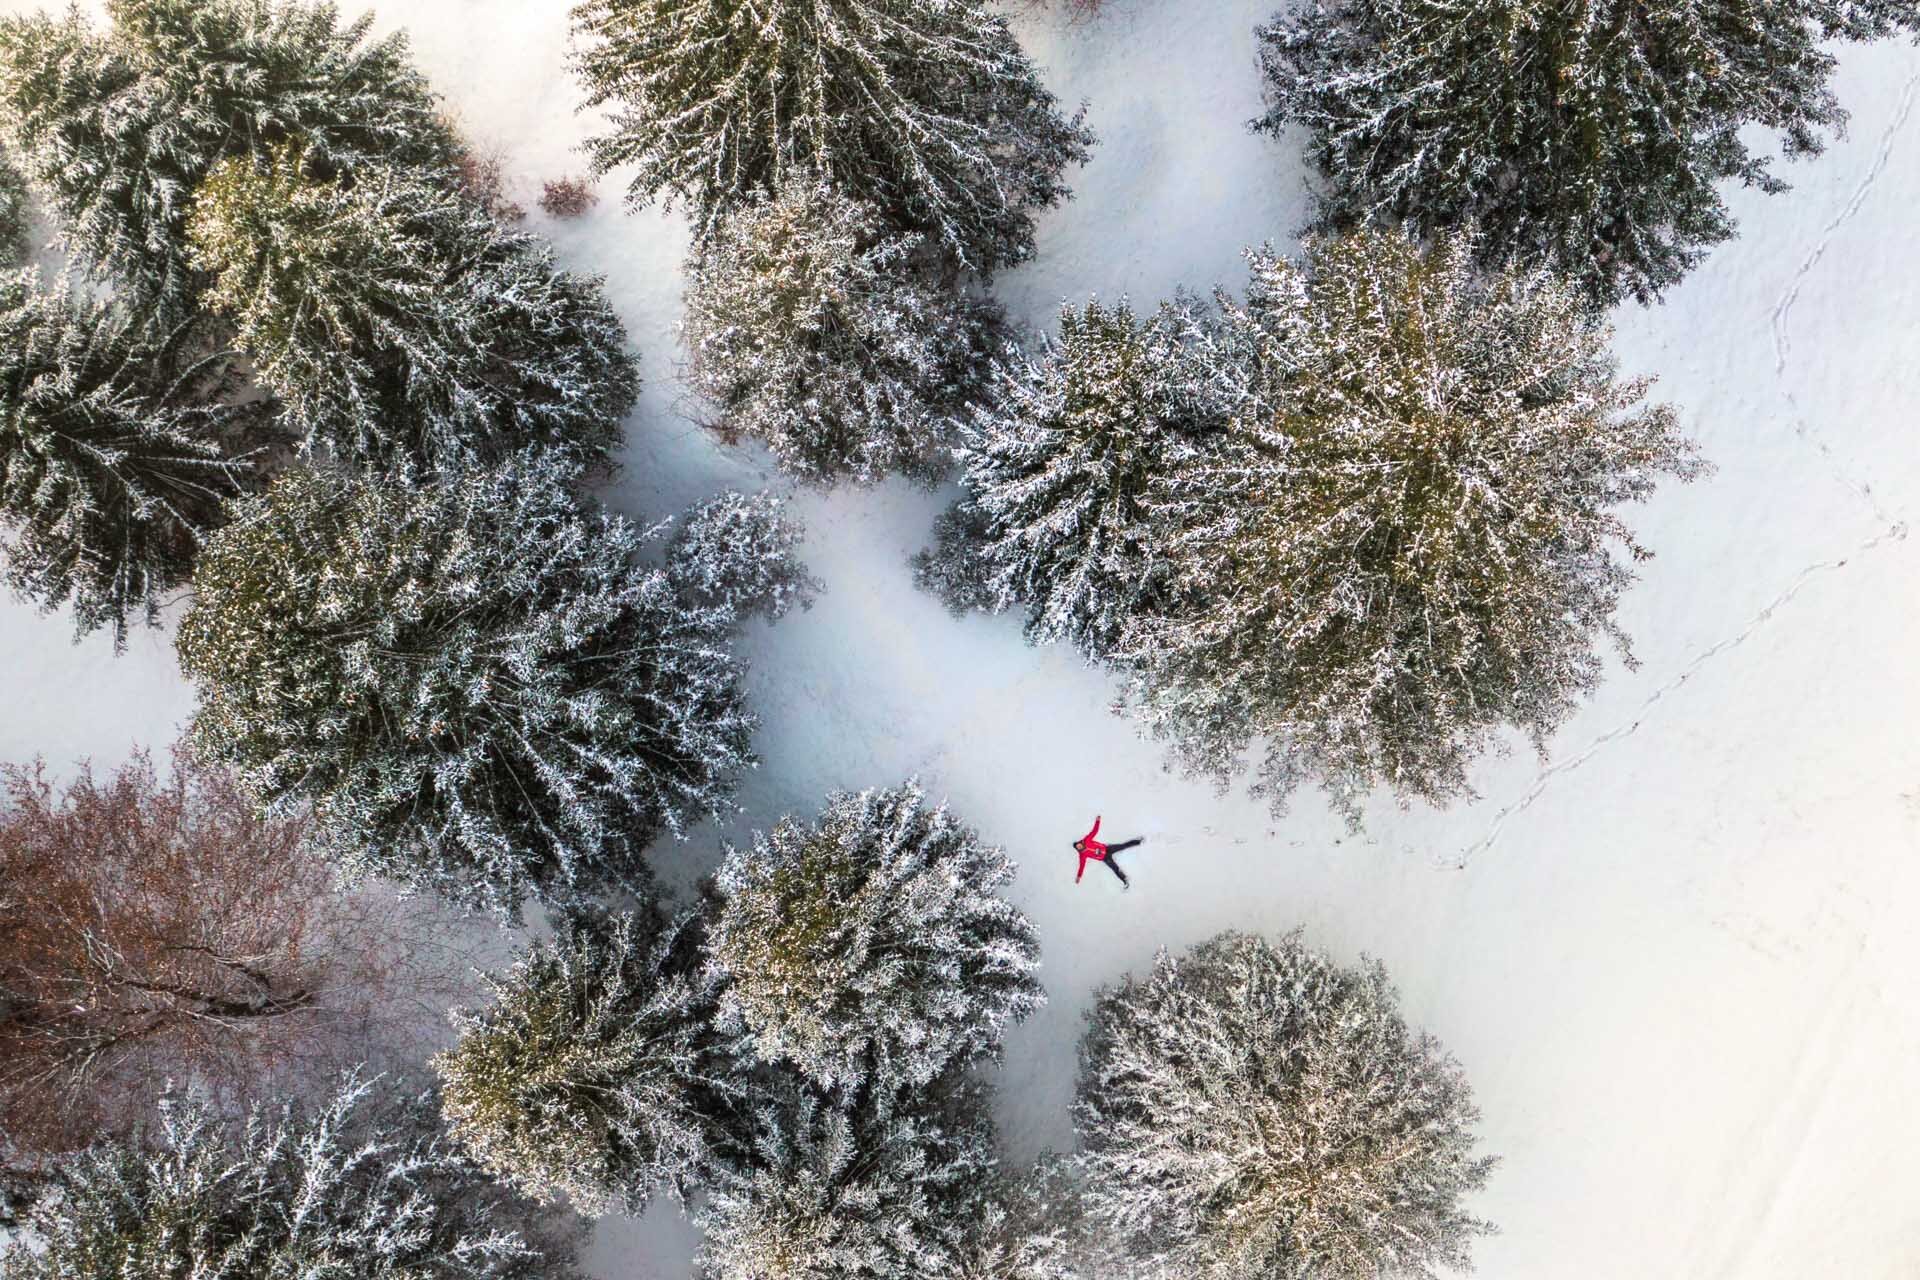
{"x": 1115, "y": 866}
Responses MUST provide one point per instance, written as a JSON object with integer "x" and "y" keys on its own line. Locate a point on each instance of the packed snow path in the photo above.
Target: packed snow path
{"x": 1677, "y": 963}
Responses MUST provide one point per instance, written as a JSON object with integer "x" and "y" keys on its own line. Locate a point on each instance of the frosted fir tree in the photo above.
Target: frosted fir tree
{"x": 14, "y": 217}
{"x": 396, "y": 319}
{"x": 595, "y": 1074}
{"x": 813, "y": 327}
{"x": 114, "y": 455}
{"x": 347, "y": 1189}
{"x": 475, "y": 683}
{"x": 840, "y": 1186}
{"x": 928, "y": 108}
{"x": 1592, "y": 137}
{"x": 1057, "y": 466}
{"x": 870, "y": 948}
{"x": 119, "y": 128}
{"x": 1250, "y": 1108}
{"x": 738, "y": 554}
{"x": 1409, "y": 540}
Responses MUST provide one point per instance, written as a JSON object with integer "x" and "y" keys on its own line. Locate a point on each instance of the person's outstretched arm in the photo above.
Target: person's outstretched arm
{"x": 1096, "y": 828}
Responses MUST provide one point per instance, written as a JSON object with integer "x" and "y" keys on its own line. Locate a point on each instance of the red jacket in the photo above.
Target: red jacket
{"x": 1090, "y": 850}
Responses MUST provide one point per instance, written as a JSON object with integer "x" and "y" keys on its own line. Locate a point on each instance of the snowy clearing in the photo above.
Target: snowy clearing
{"x": 1677, "y": 967}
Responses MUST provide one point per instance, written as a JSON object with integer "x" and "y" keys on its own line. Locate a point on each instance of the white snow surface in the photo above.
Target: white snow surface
{"x": 1678, "y": 965}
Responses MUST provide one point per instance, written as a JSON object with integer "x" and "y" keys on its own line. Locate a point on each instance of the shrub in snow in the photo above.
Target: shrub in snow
{"x": 118, "y": 130}
{"x": 1406, "y": 539}
{"x": 345, "y": 1190}
{"x": 13, "y": 213}
{"x": 396, "y": 319}
{"x": 737, "y": 553}
{"x": 474, "y": 682}
{"x": 482, "y": 175}
{"x": 568, "y": 197}
{"x": 955, "y": 567}
{"x": 838, "y": 1186}
{"x": 929, "y": 108}
{"x": 595, "y": 1073}
{"x": 1251, "y": 1109}
{"x": 813, "y": 327}
{"x": 1593, "y": 137}
{"x": 1057, "y": 467}
{"x": 870, "y": 947}
{"x": 113, "y": 463}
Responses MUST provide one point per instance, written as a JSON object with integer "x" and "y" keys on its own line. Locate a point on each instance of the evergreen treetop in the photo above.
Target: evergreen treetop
{"x": 929, "y": 108}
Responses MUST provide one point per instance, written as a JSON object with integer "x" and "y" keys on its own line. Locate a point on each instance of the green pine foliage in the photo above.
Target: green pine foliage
{"x": 347, "y": 1191}
{"x": 869, "y": 948}
{"x": 114, "y": 459}
{"x": 928, "y": 108}
{"x": 475, "y": 682}
{"x": 397, "y": 319}
{"x": 1250, "y": 1109}
{"x": 1593, "y": 137}
{"x": 813, "y": 327}
{"x": 13, "y": 213}
{"x": 118, "y": 129}
{"x": 596, "y": 1073}
{"x": 1408, "y": 538}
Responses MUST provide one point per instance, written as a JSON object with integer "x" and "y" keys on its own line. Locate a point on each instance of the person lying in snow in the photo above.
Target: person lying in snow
{"x": 1091, "y": 850}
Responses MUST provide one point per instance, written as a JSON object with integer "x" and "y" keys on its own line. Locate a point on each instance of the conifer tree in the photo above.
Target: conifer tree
{"x": 1250, "y": 1109}
{"x": 1057, "y": 466}
{"x": 595, "y": 1073}
{"x": 119, "y": 129}
{"x": 848, "y": 1186}
{"x": 1407, "y": 539}
{"x": 869, "y": 948}
{"x": 13, "y": 213}
{"x": 1592, "y": 137}
{"x": 397, "y": 319}
{"x": 815, "y": 328}
{"x": 474, "y": 682}
{"x": 346, "y": 1190}
{"x": 929, "y": 108}
{"x": 737, "y": 553}
{"x": 113, "y": 455}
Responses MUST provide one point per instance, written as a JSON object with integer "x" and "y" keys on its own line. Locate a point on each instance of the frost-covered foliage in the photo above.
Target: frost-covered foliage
{"x": 1406, "y": 541}
{"x": 870, "y": 947}
{"x": 119, "y": 129}
{"x": 813, "y": 327}
{"x": 928, "y": 108}
{"x": 839, "y": 1186}
{"x": 1590, "y": 136}
{"x": 345, "y": 1191}
{"x": 1254, "y": 1110}
{"x": 13, "y": 213}
{"x": 475, "y": 682}
{"x": 737, "y": 552}
{"x": 955, "y": 567}
{"x": 595, "y": 1073}
{"x": 113, "y": 455}
{"x": 397, "y": 319}
{"x": 1032, "y": 1228}
{"x": 1057, "y": 467}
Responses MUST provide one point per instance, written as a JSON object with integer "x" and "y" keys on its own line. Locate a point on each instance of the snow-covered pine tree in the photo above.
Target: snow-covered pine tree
{"x": 813, "y": 327}
{"x": 596, "y": 1073}
{"x": 475, "y": 683}
{"x": 113, "y": 455}
{"x": 348, "y": 1189}
{"x": 1251, "y": 1109}
{"x": 119, "y": 129}
{"x": 13, "y": 213}
{"x": 737, "y": 553}
{"x": 1593, "y": 137}
{"x": 954, "y": 567}
{"x": 928, "y": 108}
{"x": 1031, "y": 1228}
{"x": 1408, "y": 538}
{"x": 397, "y": 319}
{"x": 869, "y": 948}
{"x": 846, "y": 1185}
{"x": 1057, "y": 463}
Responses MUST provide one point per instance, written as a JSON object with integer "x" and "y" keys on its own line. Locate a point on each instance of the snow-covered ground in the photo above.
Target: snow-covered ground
{"x": 1678, "y": 966}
